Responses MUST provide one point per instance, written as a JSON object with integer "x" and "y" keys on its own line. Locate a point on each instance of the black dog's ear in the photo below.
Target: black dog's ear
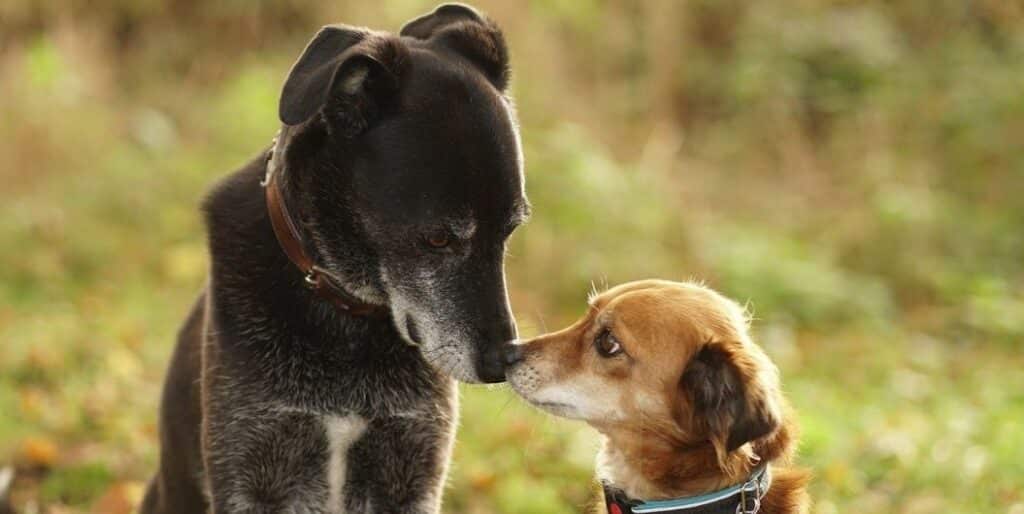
{"x": 728, "y": 397}
{"x": 344, "y": 67}
{"x": 465, "y": 31}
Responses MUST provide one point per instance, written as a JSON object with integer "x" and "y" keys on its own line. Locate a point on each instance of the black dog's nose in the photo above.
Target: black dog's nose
{"x": 494, "y": 360}
{"x": 513, "y": 354}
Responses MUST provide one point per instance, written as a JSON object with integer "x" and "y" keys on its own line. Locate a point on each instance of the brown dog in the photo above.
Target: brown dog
{"x": 690, "y": 407}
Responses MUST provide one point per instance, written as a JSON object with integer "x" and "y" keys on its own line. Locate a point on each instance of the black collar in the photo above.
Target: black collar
{"x": 743, "y": 498}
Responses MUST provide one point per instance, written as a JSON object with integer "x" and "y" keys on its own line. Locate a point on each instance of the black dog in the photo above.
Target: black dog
{"x": 313, "y": 374}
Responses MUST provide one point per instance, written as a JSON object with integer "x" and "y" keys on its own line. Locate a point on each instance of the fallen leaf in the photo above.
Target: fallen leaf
{"x": 482, "y": 481}
{"x": 120, "y": 498}
{"x": 31, "y": 402}
{"x": 39, "y": 451}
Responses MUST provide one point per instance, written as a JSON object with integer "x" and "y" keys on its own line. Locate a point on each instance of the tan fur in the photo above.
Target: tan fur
{"x": 656, "y": 443}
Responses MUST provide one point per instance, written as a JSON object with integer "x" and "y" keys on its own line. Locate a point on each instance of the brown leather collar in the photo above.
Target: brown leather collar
{"x": 317, "y": 279}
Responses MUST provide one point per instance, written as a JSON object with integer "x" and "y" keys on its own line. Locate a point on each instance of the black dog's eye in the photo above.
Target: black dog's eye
{"x": 438, "y": 239}
{"x": 606, "y": 344}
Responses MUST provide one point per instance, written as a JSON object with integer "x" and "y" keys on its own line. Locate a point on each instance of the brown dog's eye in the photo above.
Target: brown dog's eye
{"x": 606, "y": 344}
{"x": 438, "y": 239}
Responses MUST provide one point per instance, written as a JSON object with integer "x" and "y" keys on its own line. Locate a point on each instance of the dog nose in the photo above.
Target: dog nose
{"x": 491, "y": 367}
{"x": 513, "y": 354}
{"x": 495, "y": 359}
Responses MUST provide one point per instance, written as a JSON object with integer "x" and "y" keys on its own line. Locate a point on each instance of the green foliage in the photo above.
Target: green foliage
{"x": 76, "y": 485}
{"x": 853, "y": 170}
{"x": 790, "y": 280}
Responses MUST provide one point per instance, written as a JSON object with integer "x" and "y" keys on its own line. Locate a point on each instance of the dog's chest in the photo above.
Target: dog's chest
{"x": 342, "y": 432}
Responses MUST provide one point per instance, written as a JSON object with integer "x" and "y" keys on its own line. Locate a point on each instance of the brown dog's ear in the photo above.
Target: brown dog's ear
{"x": 346, "y": 69}
{"x": 465, "y": 31}
{"x": 728, "y": 397}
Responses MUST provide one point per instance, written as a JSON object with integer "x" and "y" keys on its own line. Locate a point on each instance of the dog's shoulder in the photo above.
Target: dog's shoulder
{"x": 237, "y": 196}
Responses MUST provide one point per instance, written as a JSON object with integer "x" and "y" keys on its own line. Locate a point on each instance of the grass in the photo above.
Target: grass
{"x": 850, "y": 169}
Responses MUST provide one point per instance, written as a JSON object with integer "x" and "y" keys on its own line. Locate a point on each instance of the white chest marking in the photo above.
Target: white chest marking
{"x": 342, "y": 432}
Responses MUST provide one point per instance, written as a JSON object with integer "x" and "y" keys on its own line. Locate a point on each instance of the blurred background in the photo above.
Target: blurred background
{"x": 852, "y": 169}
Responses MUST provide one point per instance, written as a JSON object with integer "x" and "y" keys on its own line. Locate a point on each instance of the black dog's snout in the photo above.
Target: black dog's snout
{"x": 513, "y": 355}
{"x": 491, "y": 367}
{"x": 495, "y": 359}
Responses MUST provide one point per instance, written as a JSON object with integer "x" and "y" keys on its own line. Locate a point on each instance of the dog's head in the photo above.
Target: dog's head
{"x": 664, "y": 358}
{"x": 403, "y": 162}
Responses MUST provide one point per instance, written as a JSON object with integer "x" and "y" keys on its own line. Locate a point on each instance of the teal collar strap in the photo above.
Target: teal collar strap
{"x": 744, "y": 498}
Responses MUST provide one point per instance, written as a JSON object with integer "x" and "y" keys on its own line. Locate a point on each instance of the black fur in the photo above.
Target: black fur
{"x": 416, "y": 142}
{"x": 462, "y": 30}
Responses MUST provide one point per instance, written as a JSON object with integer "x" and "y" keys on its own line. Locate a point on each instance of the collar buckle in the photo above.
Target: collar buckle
{"x": 750, "y": 496}
{"x": 312, "y": 280}
{"x": 754, "y": 504}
